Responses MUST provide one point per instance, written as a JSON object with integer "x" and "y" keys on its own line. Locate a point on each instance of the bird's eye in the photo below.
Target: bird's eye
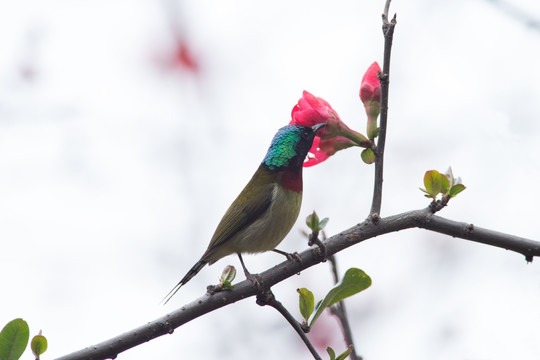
{"x": 305, "y": 135}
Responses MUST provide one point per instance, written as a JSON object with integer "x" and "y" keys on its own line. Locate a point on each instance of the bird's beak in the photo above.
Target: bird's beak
{"x": 318, "y": 126}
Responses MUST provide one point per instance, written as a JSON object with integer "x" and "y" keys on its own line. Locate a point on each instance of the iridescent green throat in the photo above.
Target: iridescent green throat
{"x": 283, "y": 148}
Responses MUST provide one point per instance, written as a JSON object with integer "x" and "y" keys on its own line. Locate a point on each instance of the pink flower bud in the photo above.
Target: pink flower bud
{"x": 370, "y": 88}
{"x": 370, "y": 94}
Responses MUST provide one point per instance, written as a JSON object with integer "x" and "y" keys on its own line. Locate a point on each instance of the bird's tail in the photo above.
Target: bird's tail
{"x": 191, "y": 273}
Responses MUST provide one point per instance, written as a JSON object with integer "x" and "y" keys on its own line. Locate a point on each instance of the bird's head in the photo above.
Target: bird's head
{"x": 290, "y": 146}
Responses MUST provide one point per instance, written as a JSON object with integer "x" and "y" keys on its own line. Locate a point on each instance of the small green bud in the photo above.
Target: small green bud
{"x": 446, "y": 184}
{"x": 228, "y": 275}
{"x": 38, "y": 345}
{"x": 368, "y": 156}
{"x": 312, "y": 221}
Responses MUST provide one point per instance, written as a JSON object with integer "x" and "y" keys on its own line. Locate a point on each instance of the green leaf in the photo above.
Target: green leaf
{"x": 13, "y": 339}
{"x": 323, "y": 223}
{"x": 306, "y": 302}
{"x": 433, "y": 182}
{"x": 312, "y": 221}
{"x": 368, "y": 156}
{"x": 38, "y": 345}
{"x": 354, "y": 281}
{"x": 331, "y": 352}
{"x": 445, "y": 184}
{"x": 456, "y": 189}
{"x": 345, "y": 354}
{"x": 318, "y": 305}
{"x": 227, "y": 276}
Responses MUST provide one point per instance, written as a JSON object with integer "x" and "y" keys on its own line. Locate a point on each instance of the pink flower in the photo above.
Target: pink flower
{"x": 179, "y": 56}
{"x": 183, "y": 57}
{"x": 312, "y": 110}
{"x": 326, "y": 332}
{"x": 323, "y": 149}
{"x": 336, "y": 135}
{"x": 370, "y": 94}
{"x": 370, "y": 88}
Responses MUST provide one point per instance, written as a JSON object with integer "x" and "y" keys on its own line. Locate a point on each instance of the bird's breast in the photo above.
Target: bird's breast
{"x": 270, "y": 229}
{"x": 291, "y": 179}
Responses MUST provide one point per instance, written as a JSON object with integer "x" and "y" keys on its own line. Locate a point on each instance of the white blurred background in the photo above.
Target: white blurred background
{"x": 128, "y": 127}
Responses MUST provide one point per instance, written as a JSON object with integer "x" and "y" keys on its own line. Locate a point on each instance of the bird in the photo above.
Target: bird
{"x": 267, "y": 208}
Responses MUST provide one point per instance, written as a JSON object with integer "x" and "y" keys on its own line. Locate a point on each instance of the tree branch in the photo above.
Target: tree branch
{"x": 268, "y": 298}
{"x": 384, "y": 77}
{"x": 340, "y": 311}
{"x": 423, "y": 218}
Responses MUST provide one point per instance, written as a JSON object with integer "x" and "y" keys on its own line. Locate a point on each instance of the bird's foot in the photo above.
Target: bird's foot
{"x": 294, "y": 256}
{"x": 256, "y": 280}
{"x": 290, "y": 256}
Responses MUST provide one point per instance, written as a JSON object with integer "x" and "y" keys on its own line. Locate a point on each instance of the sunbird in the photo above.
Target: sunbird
{"x": 268, "y": 206}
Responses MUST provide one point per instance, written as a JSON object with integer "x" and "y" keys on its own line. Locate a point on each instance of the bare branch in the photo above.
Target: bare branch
{"x": 423, "y": 218}
{"x": 386, "y": 10}
{"x": 268, "y": 298}
{"x": 384, "y": 77}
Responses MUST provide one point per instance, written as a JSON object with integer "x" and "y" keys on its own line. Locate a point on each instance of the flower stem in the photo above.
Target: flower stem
{"x": 357, "y": 138}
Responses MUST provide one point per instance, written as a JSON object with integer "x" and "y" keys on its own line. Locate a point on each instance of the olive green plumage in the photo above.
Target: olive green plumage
{"x": 267, "y": 208}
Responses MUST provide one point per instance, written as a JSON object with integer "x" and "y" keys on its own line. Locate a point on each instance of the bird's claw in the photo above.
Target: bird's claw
{"x": 256, "y": 280}
{"x": 290, "y": 256}
{"x": 294, "y": 256}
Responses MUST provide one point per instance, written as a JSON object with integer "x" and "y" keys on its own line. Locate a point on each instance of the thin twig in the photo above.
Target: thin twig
{"x": 341, "y": 313}
{"x": 423, "y": 218}
{"x": 268, "y": 298}
{"x": 386, "y": 8}
{"x": 384, "y": 77}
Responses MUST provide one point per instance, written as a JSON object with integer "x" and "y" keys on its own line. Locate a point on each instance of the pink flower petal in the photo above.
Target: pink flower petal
{"x": 315, "y": 154}
{"x": 311, "y": 110}
{"x": 370, "y": 88}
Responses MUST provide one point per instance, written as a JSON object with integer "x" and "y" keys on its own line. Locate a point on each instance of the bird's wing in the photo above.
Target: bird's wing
{"x": 242, "y": 214}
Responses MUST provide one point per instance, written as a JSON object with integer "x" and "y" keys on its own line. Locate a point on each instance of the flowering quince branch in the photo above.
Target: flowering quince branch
{"x": 423, "y": 218}
{"x": 336, "y": 136}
